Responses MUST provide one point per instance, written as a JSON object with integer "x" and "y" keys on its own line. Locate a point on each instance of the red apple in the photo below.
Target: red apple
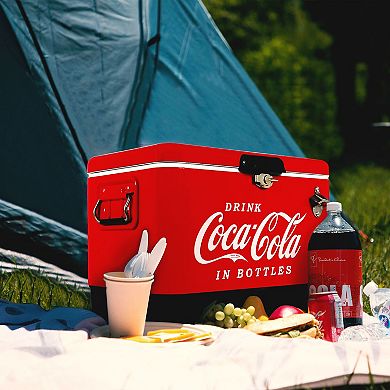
{"x": 284, "y": 311}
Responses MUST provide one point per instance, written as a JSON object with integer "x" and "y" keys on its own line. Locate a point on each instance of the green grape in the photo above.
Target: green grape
{"x": 228, "y": 322}
{"x": 219, "y": 323}
{"x": 228, "y": 316}
{"x": 228, "y": 310}
{"x": 250, "y": 310}
{"x": 241, "y": 320}
{"x": 247, "y": 317}
{"x": 219, "y": 315}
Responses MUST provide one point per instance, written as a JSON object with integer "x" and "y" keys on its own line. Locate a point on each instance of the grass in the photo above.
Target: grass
{"x": 27, "y": 286}
{"x": 364, "y": 192}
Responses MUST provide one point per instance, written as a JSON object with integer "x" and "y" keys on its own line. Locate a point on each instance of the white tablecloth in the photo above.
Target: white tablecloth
{"x": 238, "y": 359}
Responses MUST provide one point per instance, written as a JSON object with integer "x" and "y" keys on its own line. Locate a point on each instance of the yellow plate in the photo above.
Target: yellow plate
{"x": 158, "y": 333}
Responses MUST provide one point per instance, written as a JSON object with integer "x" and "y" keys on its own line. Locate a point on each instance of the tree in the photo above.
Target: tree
{"x": 361, "y": 63}
{"x": 288, "y": 57}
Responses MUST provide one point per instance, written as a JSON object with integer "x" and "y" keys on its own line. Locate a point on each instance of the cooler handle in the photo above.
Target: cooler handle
{"x": 115, "y": 221}
{"x": 254, "y": 165}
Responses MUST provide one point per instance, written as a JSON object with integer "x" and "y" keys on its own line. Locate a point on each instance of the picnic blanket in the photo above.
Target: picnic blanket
{"x": 33, "y": 317}
{"x": 48, "y": 358}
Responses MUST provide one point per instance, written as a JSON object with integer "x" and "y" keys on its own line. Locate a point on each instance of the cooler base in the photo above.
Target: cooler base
{"x": 188, "y": 308}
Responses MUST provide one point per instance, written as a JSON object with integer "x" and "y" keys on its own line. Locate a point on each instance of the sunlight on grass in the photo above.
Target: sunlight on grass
{"x": 364, "y": 192}
{"x": 27, "y": 286}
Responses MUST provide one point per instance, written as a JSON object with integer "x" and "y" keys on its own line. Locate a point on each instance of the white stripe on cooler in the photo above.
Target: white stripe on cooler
{"x": 187, "y": 165}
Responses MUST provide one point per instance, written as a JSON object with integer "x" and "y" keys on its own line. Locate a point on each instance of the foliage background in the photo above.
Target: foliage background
{"x": 288, "y": 57}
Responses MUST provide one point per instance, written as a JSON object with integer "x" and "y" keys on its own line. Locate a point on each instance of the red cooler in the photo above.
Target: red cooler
{"x": 236, "y": 223}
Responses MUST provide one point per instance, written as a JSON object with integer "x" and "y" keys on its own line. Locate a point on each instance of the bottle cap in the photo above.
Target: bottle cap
{"x": 370, "y": 288}
{"x": 333, "y": 206}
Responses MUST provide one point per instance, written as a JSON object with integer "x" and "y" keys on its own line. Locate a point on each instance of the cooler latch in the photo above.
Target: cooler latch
{"x": 262, "y": 168}
{"x": 263, "y": 180}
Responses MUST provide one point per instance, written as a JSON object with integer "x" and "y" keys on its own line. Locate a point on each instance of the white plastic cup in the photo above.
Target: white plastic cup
{"x": 127, "y": 303}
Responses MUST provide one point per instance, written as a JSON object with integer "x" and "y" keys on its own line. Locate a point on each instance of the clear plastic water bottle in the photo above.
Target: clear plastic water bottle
{"x": 380, "y": 308}
{"x": 379, "y": 303}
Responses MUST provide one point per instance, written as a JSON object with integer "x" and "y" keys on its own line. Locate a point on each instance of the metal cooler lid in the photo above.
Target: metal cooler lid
{"x": 173, "y": 152}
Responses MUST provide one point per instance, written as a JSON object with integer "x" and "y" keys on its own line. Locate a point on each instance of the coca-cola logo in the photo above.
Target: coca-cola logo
{"x": 318, "y": 316}
{"x": 260, "y": 238}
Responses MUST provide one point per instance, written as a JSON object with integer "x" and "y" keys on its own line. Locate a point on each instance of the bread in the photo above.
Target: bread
{"x": 297, "y": 325}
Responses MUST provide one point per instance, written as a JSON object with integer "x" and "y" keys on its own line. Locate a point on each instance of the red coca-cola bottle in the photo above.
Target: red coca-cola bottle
{"x": 335, "y": 263}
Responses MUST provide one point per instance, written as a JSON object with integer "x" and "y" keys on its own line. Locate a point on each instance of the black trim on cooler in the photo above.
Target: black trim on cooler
{"x": 189, "y": 308}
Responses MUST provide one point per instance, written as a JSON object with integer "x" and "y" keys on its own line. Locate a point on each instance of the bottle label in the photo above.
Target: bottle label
{"x": 384, "y": 315}
{"x": 338, "y": 270}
